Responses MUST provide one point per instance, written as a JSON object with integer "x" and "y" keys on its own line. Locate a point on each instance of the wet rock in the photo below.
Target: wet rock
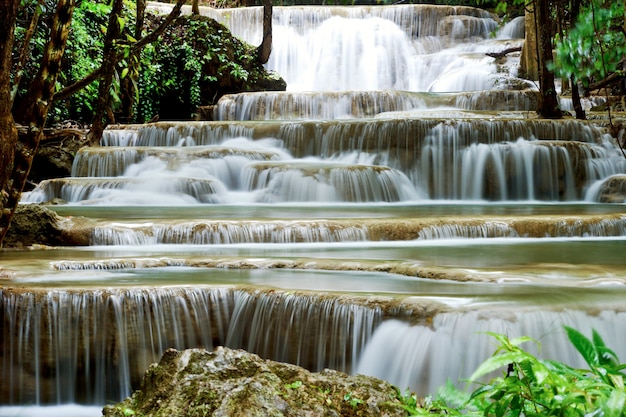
{"x": 613, "y": 190}
{"x": 34, "y": 224}
{"x": 55, "y": 156}
{"x": 228, "y": 382}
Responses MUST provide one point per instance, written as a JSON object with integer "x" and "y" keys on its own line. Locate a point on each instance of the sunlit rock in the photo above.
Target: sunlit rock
{"x": 230, "y": 383}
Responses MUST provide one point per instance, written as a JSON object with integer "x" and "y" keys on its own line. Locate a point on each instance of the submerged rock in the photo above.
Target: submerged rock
{"x": 228, "y": 382}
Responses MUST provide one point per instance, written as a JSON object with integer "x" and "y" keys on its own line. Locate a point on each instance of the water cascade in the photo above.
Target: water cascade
{"x": 398, "y": 201}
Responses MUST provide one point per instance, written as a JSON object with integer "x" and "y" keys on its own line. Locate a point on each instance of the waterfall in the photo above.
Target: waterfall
{"x": 381, "y": 160}
{"x": 421, "y": 358}
{"x": 91, "y": 346}
{"x": 398, "y": 201}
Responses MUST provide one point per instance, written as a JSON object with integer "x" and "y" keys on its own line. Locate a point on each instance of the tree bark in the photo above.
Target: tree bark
{"x": 34, "y": 110}
{"x": 8, "y": 132}
{"x": 264, "y": 50}
{"x": 548, "y": 101}
{"x": 504, "y": 53}
{"x": 528, "y": 60}
{"x": 612, "y": 78}
{"x": 578, "y": 108}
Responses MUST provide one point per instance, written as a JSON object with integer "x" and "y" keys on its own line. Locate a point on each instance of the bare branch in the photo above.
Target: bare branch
{"x": 504, "y": 53}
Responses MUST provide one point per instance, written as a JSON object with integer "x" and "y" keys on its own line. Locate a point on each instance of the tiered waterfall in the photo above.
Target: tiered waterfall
{"x": 397, "y": 202}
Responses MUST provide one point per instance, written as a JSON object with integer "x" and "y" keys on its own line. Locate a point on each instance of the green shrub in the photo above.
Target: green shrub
{"x": 534, "y": 387}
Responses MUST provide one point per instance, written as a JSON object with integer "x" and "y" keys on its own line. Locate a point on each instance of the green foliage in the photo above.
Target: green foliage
{"x": 189, "y": 66}
{"x": 193, "y": 63}
{"x": 353, "y": 401}
{"x": 294, "y": 385}
{"x": 428, "y": 406}
{"x": 534, "y": 387}
{"x": 594, "y": 47}
{"x": 83, "y": 55}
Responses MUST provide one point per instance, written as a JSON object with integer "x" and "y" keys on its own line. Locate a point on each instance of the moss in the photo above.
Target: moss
{"x": 236, "y": 383}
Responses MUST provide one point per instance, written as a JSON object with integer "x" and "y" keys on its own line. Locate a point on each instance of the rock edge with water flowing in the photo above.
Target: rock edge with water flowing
{"x": 227, "y": 382}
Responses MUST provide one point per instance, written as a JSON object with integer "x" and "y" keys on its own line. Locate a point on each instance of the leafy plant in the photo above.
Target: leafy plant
{"x": 594, "y": 47}
{"x": 533, "y": 387}
{"x": 429, "y": 406}
{"x": 193, "y": 64}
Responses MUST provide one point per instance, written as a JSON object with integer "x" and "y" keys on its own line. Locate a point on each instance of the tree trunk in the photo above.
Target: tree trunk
{"x": 195, "y": 8}
{"x": 548, "y": 101}
{"x": 264, "y": 50}
{"x": 109, "y": 64}
{"x": 8, "y": 132}
{"x": 578, "y": 108}
{"x": 528, "y": 60}
{"x": 34, "y": 110}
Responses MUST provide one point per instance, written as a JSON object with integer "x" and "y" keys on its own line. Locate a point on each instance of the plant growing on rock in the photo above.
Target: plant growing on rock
{"x": 196, "y": 62}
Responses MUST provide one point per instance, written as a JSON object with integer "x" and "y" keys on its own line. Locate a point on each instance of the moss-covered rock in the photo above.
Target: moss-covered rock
{"x": 194, "y": 63}
{"x": 230, "y": 383}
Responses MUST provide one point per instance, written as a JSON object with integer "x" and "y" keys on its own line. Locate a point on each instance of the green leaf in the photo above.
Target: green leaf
{"x": 497, "y": 362}
{"x": 606, "y": 355}
{"x": 583, "y": 346}
{"x": 614, "y": 406}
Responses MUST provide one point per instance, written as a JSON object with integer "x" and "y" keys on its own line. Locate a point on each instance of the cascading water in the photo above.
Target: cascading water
{"x": 379, "y": 216}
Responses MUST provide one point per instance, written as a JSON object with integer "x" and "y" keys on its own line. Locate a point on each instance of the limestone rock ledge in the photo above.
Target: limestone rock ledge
{"x": 227, "y": 382}
{"x": 612, "y": 190}
{"x": 34, "y": 224}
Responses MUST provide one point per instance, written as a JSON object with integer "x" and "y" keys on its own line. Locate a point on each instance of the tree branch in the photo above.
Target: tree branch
{"x": 504, "y": 53}
{"x": 610, "y": 79}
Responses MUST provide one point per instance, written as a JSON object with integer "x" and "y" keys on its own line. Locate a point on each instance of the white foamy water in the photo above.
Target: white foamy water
{"x": 66, "y": 410}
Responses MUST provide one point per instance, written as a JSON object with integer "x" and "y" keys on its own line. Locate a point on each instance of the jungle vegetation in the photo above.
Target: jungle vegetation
{"x": 530, "y": 386}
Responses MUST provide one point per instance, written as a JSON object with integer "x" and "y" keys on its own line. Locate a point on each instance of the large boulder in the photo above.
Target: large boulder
{"x": 228, "y": 382}
{"x": 35, "y": 224}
